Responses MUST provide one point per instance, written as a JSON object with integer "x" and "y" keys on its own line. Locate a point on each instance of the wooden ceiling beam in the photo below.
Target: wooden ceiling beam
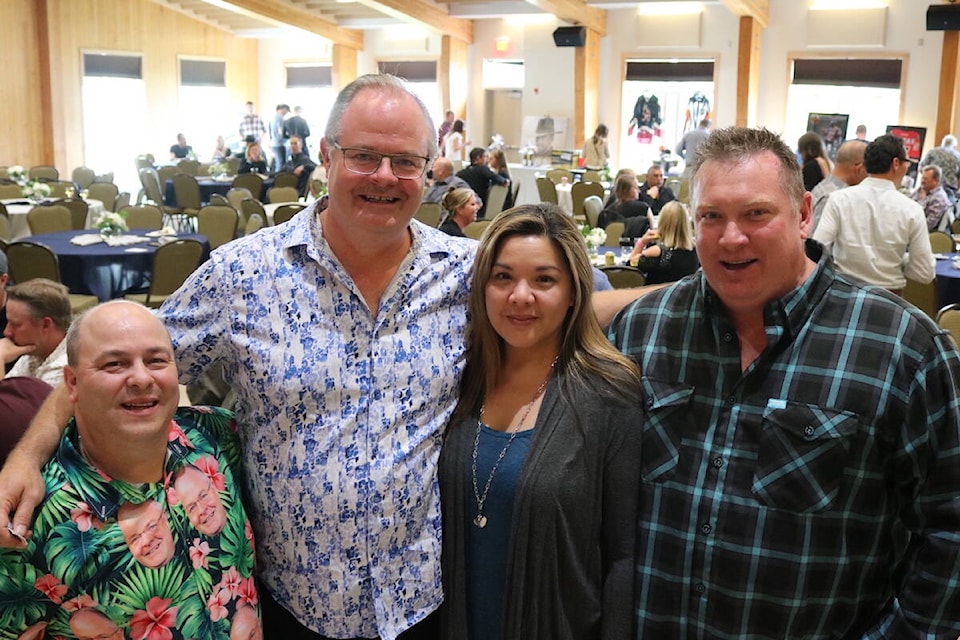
{"x": 575, "y": 12}
{"x": 424, "y": 14}
{"x": 759, "y": 10}
{"x": 283, "y": 13}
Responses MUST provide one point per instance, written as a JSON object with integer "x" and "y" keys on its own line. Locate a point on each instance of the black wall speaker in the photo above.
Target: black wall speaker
{"x": 943, "y": 17}
{"x": 570, "y": 36}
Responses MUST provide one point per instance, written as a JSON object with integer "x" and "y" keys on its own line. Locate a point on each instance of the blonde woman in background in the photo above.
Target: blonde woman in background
{"x": 667, "y": 254}
{"x": 461, "y": 206}
{"x": 498, "y": 163}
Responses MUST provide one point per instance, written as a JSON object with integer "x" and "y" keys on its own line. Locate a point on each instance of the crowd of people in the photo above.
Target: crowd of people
{"x": 437, "y": 438}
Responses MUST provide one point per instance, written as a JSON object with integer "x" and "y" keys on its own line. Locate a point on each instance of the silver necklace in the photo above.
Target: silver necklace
{"x": 481, "y": 520}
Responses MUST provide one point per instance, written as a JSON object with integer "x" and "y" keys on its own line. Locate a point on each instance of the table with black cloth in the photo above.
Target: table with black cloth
{"x": 208, "y": 187}
{"x": 104, "y": 271}
{"x": 948, "y": 280}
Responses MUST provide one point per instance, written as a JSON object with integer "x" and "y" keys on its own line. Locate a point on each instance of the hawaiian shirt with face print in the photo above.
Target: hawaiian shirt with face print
{"x": 168, "y": 560}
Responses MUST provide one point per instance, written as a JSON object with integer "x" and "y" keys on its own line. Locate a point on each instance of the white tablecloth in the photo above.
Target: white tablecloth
{"x": 19, "y": 228}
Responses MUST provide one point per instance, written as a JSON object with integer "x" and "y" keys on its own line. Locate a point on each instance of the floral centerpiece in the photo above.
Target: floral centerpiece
{"x": 18, "y": 174}
{"x": 36, "y": 190}
{"x": 219, "y": 169}
{"x": 112, "y": 224}
{"x": 593, "y": 237}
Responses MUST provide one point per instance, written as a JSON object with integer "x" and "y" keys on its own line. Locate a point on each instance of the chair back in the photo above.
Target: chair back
{"x": 187, "y": 191}
{"x": 237, "y": 195}
{"x": 955, "y": 225}
{"x": 591, "y": 175}
{"x": 285, "y": 179}
{"x": 144, "y": 216}
{"x": 144, "y": 162}
{"x": 949, "y": 320}
{"x": 189, "y": 167}
{"x": 29, "y": 260}
{"x": 104, "y": 177}
{"x": 105, "y": 192}
{"x": 166, "y": 172}
{"x": 219, "y": 199}
{"x": 233, "y": 165}
{"x": 172, "y": 265}
{"x": 286, "y": 211}
{"x": 218, "y": 223}
{"x": 614, "y": 231}
{"x": 624, "y": 277}
{"x": 49, "y": 219}
{"x": 249, "y": 206}
{"x": 121, "y": 202}
{"x": 547, "y": 190}
{"x": 58, "y": 188}
{"x": 10, "y": 190}
{"x": 6, "y": 232}
{"x": 579, "y": 192}
{"x": 43, "y": 172}
{"x": 947, "y": 219}
{"x": 496, "y": 197}
{"x": 150, "y": 181}
{"x": 516, "y": 191}
{"x": 475, "y": 229}
{"x": 429, "y": 214}
{"x": 592, "y": 206}
{"x": 254, "y": 223}
{"x": 78, "y": 212}
{"x": 252, "y": 182}
{"x": 556, "y": 176}
{"x": 83, "y": 177}
{"x": 283, "y": 194}
{"x": 922, "y": 296}
{"x": 683, "y": 194}
{"x": 674, "y": 184}
{"x": 940, "y": 242}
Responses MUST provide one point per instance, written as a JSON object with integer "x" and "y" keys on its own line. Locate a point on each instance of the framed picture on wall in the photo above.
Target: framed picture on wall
{"x": 832, "y": 127}
{"x": 912, "y": 137}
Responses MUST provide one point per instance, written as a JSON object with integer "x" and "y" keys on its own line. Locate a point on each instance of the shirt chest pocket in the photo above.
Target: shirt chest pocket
{"x": 802, "y": 456}
{"x": 665, "y": 403}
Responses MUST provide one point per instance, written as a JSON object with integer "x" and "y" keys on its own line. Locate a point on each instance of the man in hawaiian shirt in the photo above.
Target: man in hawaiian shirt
{"x": 113, "y": 547}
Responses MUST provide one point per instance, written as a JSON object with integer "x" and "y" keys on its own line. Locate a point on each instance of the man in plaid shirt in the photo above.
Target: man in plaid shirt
{"x": 252, "y": 125}
{"x": 801, "y": 458}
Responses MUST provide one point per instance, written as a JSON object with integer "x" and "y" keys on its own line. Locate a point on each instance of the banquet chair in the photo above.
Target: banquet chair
{"x": 249, "y": 207}
{"x": 166, "y": 172}
{"x": 105, "y": 192}
{"x": 283, "y": 194}
{"x": 4, "y": 173}
{"x": 556, "y": 176}
{"x": 252, "y": 182}
{"x": 496, "y": 197}
{"x": 29, "y": 260}
{"x": 58, "y": 188}
{"x": 516, "y": 191}
{"x": 429, "y": 214}
{"x": 614, "y": 231}
{"x": 49, "y": 219}
{"x": 189, "y": 167}
{"x": 623, "y": 277}
{"x": 43, "y": 172}
{"x": 592, "y": 206}
{"x": 83, "y": 177}
{"x": 674, "y": 184}
{"x": 233, "y": 165}
{"x": 220, "y": 200}
{"x": 286, "y": 179}
{"x": 172, "y": 264}
{"x": 187, "y": 191}
{"x": 475, "y": 229}
{"x": 590, "y": 175}
{"x": 78, "y": 212}
{"x": 285, "y": 212}
{"x": 941, "y": 242}
{"x": 948, "y": 319}
{"x": 237, "y": 195}
{"x": 104, "y": 177}
{"x": 6, "y": 232}
{"x": 144, "y": 216}
{"x": 922, "y": 296}
{"x": 254, "y": 223}
{"x": 144, "y": 162}
{"x": 579, "y": 192}
{"x": 10, "y": 190}
{"x": 683, "y": 194}
{"x": 218, "y": 223}
{"x": 955, "y": 226}
{"x": 121, "y": 202}
{"x": 547, "y": 190}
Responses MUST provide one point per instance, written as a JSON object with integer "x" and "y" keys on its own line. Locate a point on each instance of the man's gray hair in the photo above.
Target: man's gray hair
{"x": 937, "y": 171}
{"x": 949, "y": 141}
{"x": 387, "y": 84}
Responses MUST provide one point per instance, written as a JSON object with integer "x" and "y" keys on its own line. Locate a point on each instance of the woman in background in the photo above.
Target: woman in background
{"x": 596, "y": 153}
{"x": 253, "y": 161}
{"x": 539, "y": 470}
{"x": 461, "y": 206}
{"x": 498, "y": 163}
{"x": 666, "y": 254}
{"x": 221, "y": 152}
{"x": 454, "y": 142}
{"x": 626, "y": 208}
{"x": 816, "y": 165}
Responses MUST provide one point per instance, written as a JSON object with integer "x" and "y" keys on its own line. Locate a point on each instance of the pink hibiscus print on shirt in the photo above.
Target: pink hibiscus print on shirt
{"x": 51, "y": 587}
{"x": 210, "y": 466}
{"x": 198, "y": 553}
{"x": 155, "y": 621}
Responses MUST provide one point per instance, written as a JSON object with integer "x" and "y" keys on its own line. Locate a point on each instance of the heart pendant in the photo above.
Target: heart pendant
{"x": 480, "y": 520}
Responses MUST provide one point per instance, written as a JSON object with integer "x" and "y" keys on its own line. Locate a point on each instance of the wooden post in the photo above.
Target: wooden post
{"x": 947, "y": 96}
{"x": 586, "y": 88}
{"x": 748, "y": 70}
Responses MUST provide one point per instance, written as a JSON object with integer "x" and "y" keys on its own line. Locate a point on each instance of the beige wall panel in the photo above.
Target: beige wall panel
{"x": 847, "y": 28}
{"x": 669, "y": 31}
{"x": 20, "y": 89}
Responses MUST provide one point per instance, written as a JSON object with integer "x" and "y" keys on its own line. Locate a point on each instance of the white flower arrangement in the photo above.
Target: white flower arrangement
{"x": 36, "y": 190}
{"x": 219, "y": 169}
{"x": 110, "y": 222}
{"x": 18, "y": 174}
{"x": 594, "y": 237}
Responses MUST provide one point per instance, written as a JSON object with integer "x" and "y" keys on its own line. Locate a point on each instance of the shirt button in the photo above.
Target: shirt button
{"x": 706, "y": 528}
{"x": 650, "y": 402}
{"x": 731, "y": 399}
{"x": 728, "y": 337}
{"x": 808, "y": 431}
{"x": 700, "y": 588}
{"x": 718, "y": 462}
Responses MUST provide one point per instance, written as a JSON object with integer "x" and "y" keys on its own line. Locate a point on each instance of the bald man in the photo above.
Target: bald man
{"x": 847, "y": 172}
{"x": 443, "y": 180}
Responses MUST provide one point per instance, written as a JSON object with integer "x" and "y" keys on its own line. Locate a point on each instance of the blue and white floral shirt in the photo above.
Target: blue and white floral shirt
{"x": 340, "y": 413}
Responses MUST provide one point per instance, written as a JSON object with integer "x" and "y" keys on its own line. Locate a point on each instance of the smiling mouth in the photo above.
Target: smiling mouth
{"x": 379, "y": 199}
{"x": 140, "y": 406}
{"x": 738, "y": 265}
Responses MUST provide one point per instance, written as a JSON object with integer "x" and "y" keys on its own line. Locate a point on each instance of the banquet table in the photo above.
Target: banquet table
{"x": 102, "y": 270}
{"x": 948, "y": 279}
{"x": 18, "y": 210}
{"x": 210, "y": 186}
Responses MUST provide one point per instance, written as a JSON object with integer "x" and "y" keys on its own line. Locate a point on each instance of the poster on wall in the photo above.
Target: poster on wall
{"x": 912, "y": 139}
{"x": 832, "y": 127}
{"x": 544, "y": 134}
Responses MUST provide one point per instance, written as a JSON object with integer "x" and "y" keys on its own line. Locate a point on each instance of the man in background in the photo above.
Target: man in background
{"x": 445, "y": 127}
{"x": 278, "y": 141}
{"x": 931, "y": 196}
{"x": 443, "y": 180}
{"x": 479, "y": 176}
{"x": 947, "y": 157}
{"x": 847, "y": 172}
{"x": 296, "y": 125}
{"x": 654, "y": 192}
{"x": 688, "y": 145}
{"x": 251, "y": 125}
{"x": 38, "y": 316}
{"x": 299, "y": 164}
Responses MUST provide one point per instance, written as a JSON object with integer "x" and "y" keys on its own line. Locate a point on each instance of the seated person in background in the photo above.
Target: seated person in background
{"x": 666, "y": 254}
{"x": 479, "y": 176}
{"x": 654, "y": 192}
{"x": 626, "y": 208}
{"x": 299, "y": 164}
{"x": 221, "y": 152}
{"x": 38, "y": 316}
{"x": 461, "y": 206}
{"x": 181, "y": 149}
{"x": 612, "y": 197}
{"x": 443, "y": 180}
{"x": 253, "y": 161}
{"x": 19, "y": 400}
{"x": 114, "y": 546}
{"x": 931, "y": 196}
{"x": 498, "y": 164}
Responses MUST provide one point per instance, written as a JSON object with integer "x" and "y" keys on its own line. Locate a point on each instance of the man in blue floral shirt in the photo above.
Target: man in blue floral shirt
{"x": 113, "y": 545}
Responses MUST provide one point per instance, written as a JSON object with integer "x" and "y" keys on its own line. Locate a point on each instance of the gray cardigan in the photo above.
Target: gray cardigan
{"x": 571, "y": 554}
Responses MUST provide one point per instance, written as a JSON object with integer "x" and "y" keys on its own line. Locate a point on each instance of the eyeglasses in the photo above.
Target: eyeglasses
{"x": 367, "y": 162}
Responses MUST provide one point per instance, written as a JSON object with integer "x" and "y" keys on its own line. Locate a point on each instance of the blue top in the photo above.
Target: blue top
{"x": 487, "y": 547}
